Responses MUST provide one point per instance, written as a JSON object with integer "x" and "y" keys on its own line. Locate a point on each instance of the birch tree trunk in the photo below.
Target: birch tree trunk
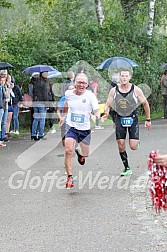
{"x": 99, "y": 11}
{"x": 151, "y": 18}
{"x": 150, "y": 27}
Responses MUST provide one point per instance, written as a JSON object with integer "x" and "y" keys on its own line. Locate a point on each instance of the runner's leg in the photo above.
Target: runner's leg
{"x": 134, "y": 135}
{"x": 84, "y": 149}
{"x": 69, "y": 149}
{"x": 123, "y": 153}
{"x": 134, "y": 144}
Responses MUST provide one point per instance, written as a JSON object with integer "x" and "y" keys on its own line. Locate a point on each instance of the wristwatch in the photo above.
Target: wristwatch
{"x": 148, "y": 120}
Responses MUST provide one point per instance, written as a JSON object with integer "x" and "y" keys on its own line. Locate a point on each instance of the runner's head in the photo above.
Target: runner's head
{"x": 81, "y": 83}
{"x": 125, "y": 76}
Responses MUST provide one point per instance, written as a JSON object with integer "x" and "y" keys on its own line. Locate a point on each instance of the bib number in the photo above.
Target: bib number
{"x": 126, "y": 121}
{"x": 77, "y": 118}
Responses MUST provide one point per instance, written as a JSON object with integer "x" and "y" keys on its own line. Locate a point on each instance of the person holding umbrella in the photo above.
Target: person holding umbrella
{"x": 125, "y": 98}
{"x": 40, "y": 94}
{"x": 40, "y": 97}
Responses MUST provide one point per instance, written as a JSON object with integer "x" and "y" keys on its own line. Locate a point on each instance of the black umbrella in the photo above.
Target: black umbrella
{"x": 5, "y": 65}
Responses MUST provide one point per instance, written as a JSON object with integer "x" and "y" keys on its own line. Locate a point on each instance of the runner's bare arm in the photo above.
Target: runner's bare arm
{"x": 65, "y": 110}
{"x": 145, "y": 104}
{"x": 108, "y": 104}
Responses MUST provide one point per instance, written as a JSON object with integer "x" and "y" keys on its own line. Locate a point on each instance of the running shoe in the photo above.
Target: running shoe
{"x": 69, "y": 183}
{"x": 99, "y": 127}
{"x": 81, "y": 159}
{"x": 12, "y": 132}
{"x": 126, "y": 172}
{"x": 53, "y": 131}
{"x": 35, "y": 138}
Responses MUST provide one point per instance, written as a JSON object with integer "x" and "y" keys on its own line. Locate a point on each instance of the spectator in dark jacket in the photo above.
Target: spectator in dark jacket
{"x": 15, "y": 102}
{"x": 2, "y": 103}
{"x": 40, "y": 100}
{"x": 69, "y": 80}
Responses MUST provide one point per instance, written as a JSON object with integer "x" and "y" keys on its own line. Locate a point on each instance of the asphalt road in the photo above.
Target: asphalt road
{"x": 104, "y": 212}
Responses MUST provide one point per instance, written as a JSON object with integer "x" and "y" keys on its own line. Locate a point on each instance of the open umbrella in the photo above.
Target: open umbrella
{"x": 51, "y": 74}
{"x": 5, "y": 65}
{"x": 54, "y": 74}
{"x": 38, "y": 68}
{"x": 164, "y": 66}
{"x": 117, "y": 62}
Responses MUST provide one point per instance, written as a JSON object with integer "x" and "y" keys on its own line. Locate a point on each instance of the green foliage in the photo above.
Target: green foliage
{"x": 60, "y": 33}
{"x": 33, "y": 3}
{"x": 5, "y": 4}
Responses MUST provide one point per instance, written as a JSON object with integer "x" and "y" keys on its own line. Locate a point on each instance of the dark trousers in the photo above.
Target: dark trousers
{"x": 165, "y": 106}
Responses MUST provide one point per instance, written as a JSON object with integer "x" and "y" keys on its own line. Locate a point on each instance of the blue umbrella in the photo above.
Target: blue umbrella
{"x": 38, "y": 68}
{"x": 117, "y": 62}
{"x": 51, "y": 74}
{"x": 54, "y": 74}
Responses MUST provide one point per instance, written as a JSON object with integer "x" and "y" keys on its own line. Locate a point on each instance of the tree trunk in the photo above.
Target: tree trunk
{"x": 151, "y": 18}
{"x": 150, "y": 28}
{"x": 99, "y": 11}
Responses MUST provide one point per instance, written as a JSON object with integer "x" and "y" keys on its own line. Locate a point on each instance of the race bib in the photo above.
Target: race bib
{"x": 126, "y": 121}
{"x": 77, "y": 118}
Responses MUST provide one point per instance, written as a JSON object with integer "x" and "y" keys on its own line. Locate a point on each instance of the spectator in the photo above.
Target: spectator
{"x": 51, "y": 108}
{"x": 2, "y": 102}
{"x": 163, "y": 83}
{"x": 40, "y": 97}
{"x": 33, "y": 79}
{"x": 5, "y": 114}
{"x": 114, "y": 80}
{"x": 9, "y": 86}
{"x": 69, "y": 80}
{"x": 15, "y": 102}
{"x": 94, "y": 85}
{"x": 21, "y": 86}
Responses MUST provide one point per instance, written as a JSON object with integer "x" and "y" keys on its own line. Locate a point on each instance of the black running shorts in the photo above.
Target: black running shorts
{"x": 122, "y": 131}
